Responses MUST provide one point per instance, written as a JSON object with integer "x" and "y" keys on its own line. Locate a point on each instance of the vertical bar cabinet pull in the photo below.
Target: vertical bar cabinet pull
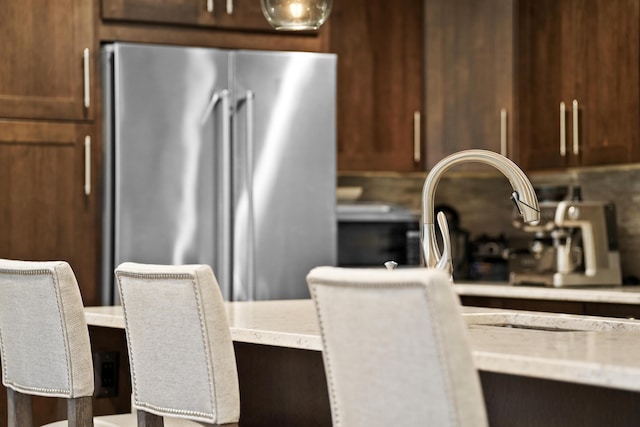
{"x": 87, "y": 165}
{"x": 416, "y": 137}
{"x": 87, "y": 86}
{"x": 503, "y": 132}
{"x": 576, "y": 141}
{"x": 563, "y": 129}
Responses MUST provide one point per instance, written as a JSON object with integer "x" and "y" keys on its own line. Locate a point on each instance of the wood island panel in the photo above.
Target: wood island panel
{"x": 532, "y": 402}
{"x": 281, "y": 386}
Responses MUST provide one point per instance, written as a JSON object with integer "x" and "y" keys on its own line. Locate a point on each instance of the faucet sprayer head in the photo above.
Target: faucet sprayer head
{"x": 530, "y": 214}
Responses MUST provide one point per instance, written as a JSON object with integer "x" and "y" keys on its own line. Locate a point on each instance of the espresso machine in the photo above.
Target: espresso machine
{"x": 574, "y": 244}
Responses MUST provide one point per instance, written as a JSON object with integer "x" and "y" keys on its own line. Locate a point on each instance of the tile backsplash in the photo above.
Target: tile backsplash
{"x": 482, "y": 199}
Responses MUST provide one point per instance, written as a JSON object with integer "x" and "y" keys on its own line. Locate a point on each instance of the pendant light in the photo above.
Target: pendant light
{"x": 296, "y": 15}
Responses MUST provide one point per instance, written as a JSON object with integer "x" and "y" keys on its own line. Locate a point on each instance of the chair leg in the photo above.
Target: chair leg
{"x": 145, "y": 419}
{"x": 18, "y": 409}
{"x": 80, "y": 412}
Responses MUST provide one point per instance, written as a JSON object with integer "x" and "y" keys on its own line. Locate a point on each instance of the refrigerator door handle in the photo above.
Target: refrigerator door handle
{"x": 215, "y": 97}
{"x": 224, "y": 245}
{"x": 223, "y": 255}
{"x": 250, "y": 251}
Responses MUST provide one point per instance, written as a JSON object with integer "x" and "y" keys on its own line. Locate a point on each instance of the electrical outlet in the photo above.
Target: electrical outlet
{"x": 106, "y": 367}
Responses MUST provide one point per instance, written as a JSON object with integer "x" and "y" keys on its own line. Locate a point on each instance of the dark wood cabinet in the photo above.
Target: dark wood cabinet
{"x": 470, "y": 75}
{"x": 380, "y": 61}
{"x": 48, "y": 198}
{"x": 44, "y": 73}
{"x": 579, "y": 79}
{"x": 48, "y": 106}
{"x": 228, "y": 14}
{"x": 230, "y": 24}
{"x": 189, "y": 12}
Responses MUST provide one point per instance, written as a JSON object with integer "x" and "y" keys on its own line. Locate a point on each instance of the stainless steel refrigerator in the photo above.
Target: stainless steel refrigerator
{"x": 223, "y": 157}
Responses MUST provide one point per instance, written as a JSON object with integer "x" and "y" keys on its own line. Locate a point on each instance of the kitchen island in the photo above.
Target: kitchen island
{"x": 536, "y": 368}
{"x": 609, "y": 301}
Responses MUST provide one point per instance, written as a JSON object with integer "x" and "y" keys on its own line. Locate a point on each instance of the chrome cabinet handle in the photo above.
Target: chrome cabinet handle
{"x": 87, "y": 86}
{"x": 503, "y": 132}
{"x": 563, "y": 129}
{"x": 210, "y": 6}
{"x": 87, "y": 165}
{"x": 229, "y": 7}
{"x": 576, "y": 141}
{"x": 417, "y": 146}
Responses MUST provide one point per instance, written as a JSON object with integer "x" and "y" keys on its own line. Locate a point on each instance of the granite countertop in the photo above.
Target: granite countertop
{"x": 579, "y": 349}
{"x": 601, "y": 294}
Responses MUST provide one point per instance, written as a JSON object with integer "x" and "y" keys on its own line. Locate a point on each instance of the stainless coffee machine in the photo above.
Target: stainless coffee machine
{"x": 574, "y": 244}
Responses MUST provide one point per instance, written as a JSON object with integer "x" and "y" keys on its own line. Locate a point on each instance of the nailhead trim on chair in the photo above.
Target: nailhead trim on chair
{"x": 23, "y": 389}
{"x": 177, "y": 276}
{"x": 443, "y": 360}
{"x": 328, "y": 363}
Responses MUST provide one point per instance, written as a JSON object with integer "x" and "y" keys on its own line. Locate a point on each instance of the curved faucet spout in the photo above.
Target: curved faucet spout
{"x": 524, "y": 197}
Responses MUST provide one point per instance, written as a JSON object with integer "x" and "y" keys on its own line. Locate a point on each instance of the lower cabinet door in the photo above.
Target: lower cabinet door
{"x": 48, "y": 199}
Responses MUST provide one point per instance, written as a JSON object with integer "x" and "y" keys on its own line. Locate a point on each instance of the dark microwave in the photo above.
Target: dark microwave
{"x": 370, "y": 234}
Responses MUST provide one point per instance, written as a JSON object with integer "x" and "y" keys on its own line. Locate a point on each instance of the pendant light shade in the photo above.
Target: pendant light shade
{"x": 296, "y": 15}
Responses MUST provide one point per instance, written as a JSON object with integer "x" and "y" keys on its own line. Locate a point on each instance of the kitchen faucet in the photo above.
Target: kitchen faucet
{"x": 523, "y": 196}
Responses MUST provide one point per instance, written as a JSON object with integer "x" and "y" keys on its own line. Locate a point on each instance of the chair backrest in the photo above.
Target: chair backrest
{"x": 395, "y": 348}
{"x": 44, "y": 337}
{"x": 180, "y": 350}
{"x": 44, "y": 340}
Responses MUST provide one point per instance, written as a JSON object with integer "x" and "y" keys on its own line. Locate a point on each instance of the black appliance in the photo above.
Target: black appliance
{"x": 370, "y": 234}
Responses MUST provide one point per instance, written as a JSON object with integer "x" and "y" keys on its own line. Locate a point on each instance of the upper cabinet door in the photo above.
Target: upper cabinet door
{"x": 469, "y": 77}
{"x": 187, "y": 12}
{"x": 379, "y": 46}
{"x": 607, "y": 82}
{"x": 544, "y": 76}
{"x": 47, "y": 64}
{"x": 223, "y": 14}
{"x": 579, "y": 96}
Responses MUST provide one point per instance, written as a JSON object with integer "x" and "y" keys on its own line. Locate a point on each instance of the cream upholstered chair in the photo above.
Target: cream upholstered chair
{"x": 395, "y": 349}
{"x": 44, "y": 341}
{"x": 180, "y": 350}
